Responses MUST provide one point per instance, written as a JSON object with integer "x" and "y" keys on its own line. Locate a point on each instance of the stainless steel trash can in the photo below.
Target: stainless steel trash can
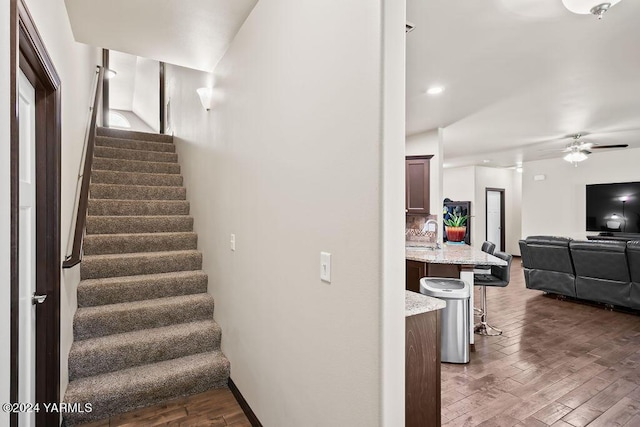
{"x": 454, "y": 317}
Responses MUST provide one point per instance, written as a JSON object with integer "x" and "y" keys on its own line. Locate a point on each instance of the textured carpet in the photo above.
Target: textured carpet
{"x": 144, "y": 329}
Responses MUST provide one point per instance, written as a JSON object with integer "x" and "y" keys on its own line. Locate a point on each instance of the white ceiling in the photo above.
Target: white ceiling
{"x": 194, "y": 33}
{"x": 520, "y": 76}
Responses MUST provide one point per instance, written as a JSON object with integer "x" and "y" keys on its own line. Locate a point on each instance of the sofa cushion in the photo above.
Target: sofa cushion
{"x": 601, "y": 259}
{"x": 602, "y": 273}
{"x": 549, "y": 253}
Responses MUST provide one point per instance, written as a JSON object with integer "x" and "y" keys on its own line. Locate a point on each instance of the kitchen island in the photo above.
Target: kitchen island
{"x": 422, "y": 360}
{"x": 450, "y": 260}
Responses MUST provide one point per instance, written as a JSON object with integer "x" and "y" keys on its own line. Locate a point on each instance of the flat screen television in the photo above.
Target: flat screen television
{"x": 614, "y": 208}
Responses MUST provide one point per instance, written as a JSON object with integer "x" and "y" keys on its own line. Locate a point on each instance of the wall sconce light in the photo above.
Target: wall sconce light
{"x": 206, "y": 95}
{"x": 109, "y": 73}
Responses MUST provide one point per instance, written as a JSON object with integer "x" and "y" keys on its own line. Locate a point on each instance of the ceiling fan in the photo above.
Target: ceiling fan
{"x": 578, "y": 150}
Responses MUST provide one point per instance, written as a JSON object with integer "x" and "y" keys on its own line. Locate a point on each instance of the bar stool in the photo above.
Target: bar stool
{"x": 499, "y": 277}
{"x": 489, "y": 248}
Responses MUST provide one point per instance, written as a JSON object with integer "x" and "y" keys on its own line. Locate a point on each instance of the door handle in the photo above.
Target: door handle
{"x": 38, "y": 299}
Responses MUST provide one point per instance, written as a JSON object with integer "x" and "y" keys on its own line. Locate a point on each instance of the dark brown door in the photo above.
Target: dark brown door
{"x": 31, "y": 63}
{"x": 417, "y": 184}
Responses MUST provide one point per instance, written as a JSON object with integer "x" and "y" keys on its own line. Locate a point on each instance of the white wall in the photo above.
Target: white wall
{"x": 146, "y": 98}
{"x": 556, "y": 205}
{"x": 470, "y": 183}
{"x": 75, "y": 64}
{"x": 509, "y": 180}
{"x": 5, "y": 211}
{"x": 122, "y": 85}
{"x": 458, "y": 184}
{"x": 291, "y": 160}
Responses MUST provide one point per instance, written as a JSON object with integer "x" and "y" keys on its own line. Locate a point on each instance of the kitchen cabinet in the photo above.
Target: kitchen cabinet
{"x": 415, "y": 271}
{"x": 417, "y": 185}
{"x": 422, "y": 370}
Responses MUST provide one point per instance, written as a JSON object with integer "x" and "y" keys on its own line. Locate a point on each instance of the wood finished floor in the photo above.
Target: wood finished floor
{"x": 216, "y": 408}
{"x": 558, "y": 363}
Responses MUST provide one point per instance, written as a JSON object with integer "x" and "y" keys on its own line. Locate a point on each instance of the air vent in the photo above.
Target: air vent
{"x": 410, "y": 27}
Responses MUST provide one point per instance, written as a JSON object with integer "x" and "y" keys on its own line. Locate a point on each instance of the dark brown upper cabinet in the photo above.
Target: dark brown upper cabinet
{"x": 417, "y": 184}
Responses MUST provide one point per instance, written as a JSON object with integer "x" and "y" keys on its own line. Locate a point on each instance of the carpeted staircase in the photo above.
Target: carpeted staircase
{"x": 144, "y": 329}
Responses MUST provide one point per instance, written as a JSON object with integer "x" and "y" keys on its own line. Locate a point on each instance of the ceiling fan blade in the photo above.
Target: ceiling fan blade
{"x": 599, "y": 147}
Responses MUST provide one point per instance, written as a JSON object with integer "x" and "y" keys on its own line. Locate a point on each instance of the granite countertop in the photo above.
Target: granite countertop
{"x": 453, "y": 254}
{"x": 415, "y": 303}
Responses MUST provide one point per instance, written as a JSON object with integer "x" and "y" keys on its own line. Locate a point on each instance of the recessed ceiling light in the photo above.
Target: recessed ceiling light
{"x": 435, "y": 90}
{"x": 486, "y": 161}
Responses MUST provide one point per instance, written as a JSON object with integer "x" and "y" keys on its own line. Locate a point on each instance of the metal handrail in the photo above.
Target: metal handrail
{"x": 75, "y": 256}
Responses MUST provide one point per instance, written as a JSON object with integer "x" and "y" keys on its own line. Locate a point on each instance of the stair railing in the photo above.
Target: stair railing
{"x": 74, "y": 254}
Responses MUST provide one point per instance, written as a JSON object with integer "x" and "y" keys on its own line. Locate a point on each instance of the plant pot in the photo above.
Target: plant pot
{"x": 456, "y": 234}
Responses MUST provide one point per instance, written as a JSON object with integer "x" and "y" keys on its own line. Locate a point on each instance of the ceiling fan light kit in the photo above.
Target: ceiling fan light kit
{"x": 585, "y": 7}
{"x": 575, "y": 156}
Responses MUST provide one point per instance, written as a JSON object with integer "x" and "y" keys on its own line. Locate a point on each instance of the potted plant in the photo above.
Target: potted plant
{"x": 455, "y": 225}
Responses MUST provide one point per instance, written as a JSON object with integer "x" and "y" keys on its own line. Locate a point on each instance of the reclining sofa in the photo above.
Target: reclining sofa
{"x": 595, "y": 270}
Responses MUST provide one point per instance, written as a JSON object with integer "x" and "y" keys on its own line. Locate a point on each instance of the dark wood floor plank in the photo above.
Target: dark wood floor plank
{"x": 552, "y": 413}
{"x": 619, "y": 414}
{"x": 213, "y": 408}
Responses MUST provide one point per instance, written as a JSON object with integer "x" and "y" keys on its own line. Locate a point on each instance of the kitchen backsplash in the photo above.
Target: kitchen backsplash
{"x": 421, "y": 230}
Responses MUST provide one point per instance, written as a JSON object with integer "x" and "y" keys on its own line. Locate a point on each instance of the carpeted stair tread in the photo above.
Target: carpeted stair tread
{"x": 122, "y": 165}
{"x": 128, "y": 134}
{"x": 117, "y": 207}
{"x": 99, "y": 244}
{"x": 121, "y": 351}
{"x": 133, "y": 144}
{"x": 142, "y": 155}
{"x": 138, "y": 224}
{"x": 114, "y": 290}
{"x": 115, "y": 265}
{"x": 136, "y": 192}
{"x": 135, "y": 178}
{"x": 92, "y": 322}
{"x": 146, "y": 385}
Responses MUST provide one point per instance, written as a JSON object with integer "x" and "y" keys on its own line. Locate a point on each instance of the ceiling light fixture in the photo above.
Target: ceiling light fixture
{"x": 594, "y": 7}
{"x": 435, "y": 90}
{"x": 575, "y": 156}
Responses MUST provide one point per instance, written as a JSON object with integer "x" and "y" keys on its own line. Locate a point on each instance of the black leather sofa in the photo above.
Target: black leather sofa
{"x": 602, "y": 271}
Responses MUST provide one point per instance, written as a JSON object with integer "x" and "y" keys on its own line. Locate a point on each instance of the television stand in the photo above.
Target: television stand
{"x": 621, "y": 237}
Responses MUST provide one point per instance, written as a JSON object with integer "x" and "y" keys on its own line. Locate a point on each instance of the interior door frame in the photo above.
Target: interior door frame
{"x": 502, "y": 216}
{"x": 29, "y": 54}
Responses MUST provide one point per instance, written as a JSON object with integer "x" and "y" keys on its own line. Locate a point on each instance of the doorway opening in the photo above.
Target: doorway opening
{"x": 495, "y": 217}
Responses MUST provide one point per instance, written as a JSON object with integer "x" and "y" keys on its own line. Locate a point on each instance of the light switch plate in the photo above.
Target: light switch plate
{"x": 232, "y": 242}
{"x": 325, "y": 267}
